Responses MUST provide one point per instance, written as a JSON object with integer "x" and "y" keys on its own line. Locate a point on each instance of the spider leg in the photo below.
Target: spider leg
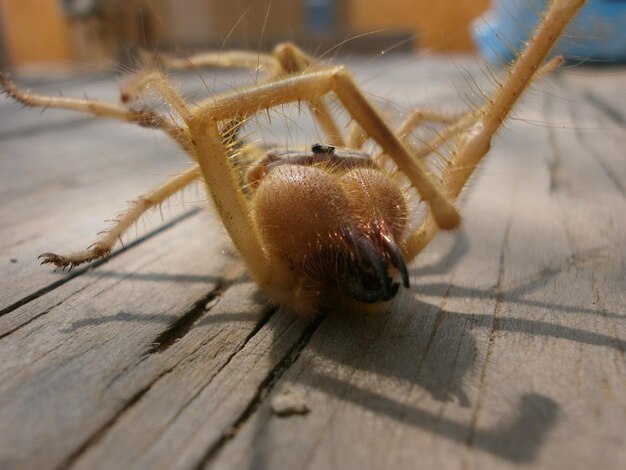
{"x": 419, "y": 116}
{"x": 226, "y": 59}
{"x": 287, "y": 59}
{"x": 356, "y": 136}
{"x": 372, "y": 123}
{"x": 104, "y": 244}
{"x": 457, "y": 123}
{"x": 416, "y": 118}
{"x": 294, "y": 60}
{"x": 475, "y": 139}
{"x": 142, "y": 117}
{"x": 155, "y": 80}
{"x": 229, "y": 199}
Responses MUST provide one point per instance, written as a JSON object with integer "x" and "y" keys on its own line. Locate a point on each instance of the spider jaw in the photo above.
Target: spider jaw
{"x": 368, "y": 275}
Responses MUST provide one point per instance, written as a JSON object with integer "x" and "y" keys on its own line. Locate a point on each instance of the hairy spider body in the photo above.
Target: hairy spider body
{"x": 324, "y": 227}
{"x": 334, "y": 224}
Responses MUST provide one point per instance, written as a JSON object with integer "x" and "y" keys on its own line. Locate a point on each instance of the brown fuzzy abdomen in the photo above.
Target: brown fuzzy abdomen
{"x": 299, "y": 211}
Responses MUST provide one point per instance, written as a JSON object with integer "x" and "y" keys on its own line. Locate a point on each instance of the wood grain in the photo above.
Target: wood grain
{"x": 508, "y": 350}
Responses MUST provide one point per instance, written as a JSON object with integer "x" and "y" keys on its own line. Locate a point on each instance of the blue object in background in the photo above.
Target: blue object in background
{"x": 320, "y": 16}
{"x": 598, "y": 32}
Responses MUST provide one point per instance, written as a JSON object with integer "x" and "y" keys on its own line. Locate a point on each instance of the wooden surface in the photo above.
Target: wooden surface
{"x": 507, "y": 351}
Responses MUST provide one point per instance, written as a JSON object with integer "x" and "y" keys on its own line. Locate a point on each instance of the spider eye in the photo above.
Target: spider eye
{"x": 320, "y": 148}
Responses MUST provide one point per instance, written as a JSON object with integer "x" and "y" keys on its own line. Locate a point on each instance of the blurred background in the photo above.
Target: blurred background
{"x": 104, "y": 32}
{"x": 101, "y": 32}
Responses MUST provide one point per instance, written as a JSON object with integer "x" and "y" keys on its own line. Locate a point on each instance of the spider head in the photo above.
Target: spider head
{"x": 335, "y": 224}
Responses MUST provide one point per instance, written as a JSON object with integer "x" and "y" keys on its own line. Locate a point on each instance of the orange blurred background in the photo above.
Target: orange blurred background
{"x": 100, "y": 31}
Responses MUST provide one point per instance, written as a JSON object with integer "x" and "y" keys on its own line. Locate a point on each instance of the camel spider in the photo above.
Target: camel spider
{"x": 328, "y": 226}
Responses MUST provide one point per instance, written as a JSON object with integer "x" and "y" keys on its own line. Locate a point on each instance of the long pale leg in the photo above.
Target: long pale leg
{"x": 106, "y": 241}
{"x": 287, "y": 59}
{"x": 457, "y": 123}
{"x": 419, "y": 116}
{"x": 230, "y": 59}
{"x": 476, "y": 140}
{"x": 465, "y": 121}
{"x": 228, "y": 196}
{"x": 356, "y": 137}
{"x": 357, "y": 105}
{"x": 416, "y": 118}
{"x": 293, "y": 61}
{"x": 156, "y": 81}
{"x": 142, "y": 117}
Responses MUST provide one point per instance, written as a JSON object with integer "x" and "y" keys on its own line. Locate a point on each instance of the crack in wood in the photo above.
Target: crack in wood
{"x": 497, "y": 313}
{"x": 614, "y": 336}
{"x": 35, "y": 317}
{"x": 553, "y": 163}
{"x": 262, "y": 322}
{"x": 267, "y": 315}
{"x": 176, "y": 332}
{"x": 607, "y": 171}
{"x": 605, "y": 108}
{"x": 179, "y": 328}
{"x": 95, "y": 437}
{"x": 441, "y": 312}
{"x": 557, "y": 180}
{"x": 263, "y": 390}
{"x": 77, "y": 272}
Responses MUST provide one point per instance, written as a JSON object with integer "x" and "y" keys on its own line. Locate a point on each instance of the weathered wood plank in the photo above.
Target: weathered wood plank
{"x": 203, "y": 405}
{"x": 602, "y": 87}
{"x": 567, "y": 223}
{"x": 84, "y": 336}
{"x": 508, "y": 349}
{"x": 58, "y": 188}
